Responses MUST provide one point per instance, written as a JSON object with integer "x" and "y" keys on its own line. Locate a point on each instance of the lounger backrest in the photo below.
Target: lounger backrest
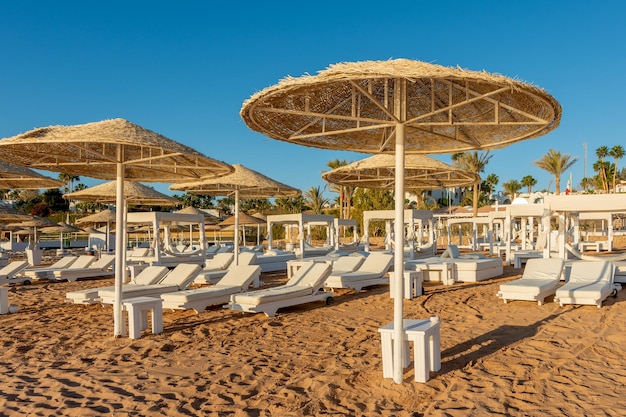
{"x": 376, "y": 263}
{"x": 13, "y": 268}
{"x": 182, "y": 275}
{"x": 452, "y": 251}
{"x": 225, "y": 249}
{"x": 139, "y": 253}
{"x": 347, "y": 263}
{"x": 151, "y": 275}
{"x": 220, "y": 261}
{"x": 105, "y": 262}
{"x": 246, "y": 258}
{"x": 591, "y": 271}
{"x": 83, "y": 261}
{"x": 544, "y": 268}
{"x": 238, "y": 275}
{"x": 212, "y": 249}
{"x": 300, "y": 273}
{"x": 64, "y": 262}
{"x": 316, "y": 275}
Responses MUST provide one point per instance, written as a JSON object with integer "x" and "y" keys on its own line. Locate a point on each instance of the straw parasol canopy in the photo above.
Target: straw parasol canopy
{"x": 242, "y": 183}
{"x": 9, "y": 214}
{"x": 61, "y": 228}
{"x": 134, "y": 193}
{"x": 18, "y": 177}
{"x": 113, "y": 149}
{"x": 104, "y": 216}
{"x": 247, "y": 182}
{"x": 357, "y": 106}
{"x": 421, "y": 171}
{"x": 401, "y": 107}
{"x": 244, "y": 220}
{"x": 208, "y": 217}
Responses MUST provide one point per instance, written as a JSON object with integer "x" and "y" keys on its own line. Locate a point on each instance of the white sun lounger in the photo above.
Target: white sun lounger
{"x": 211, "y": 276}
{"x": 9, "y": 274}
{"x": 64, "y": 262}
{"x": 590, "y": 282}
{"x": 177, "y": 279}
{"x": 540, "y": 279}
{"x": 237, "y": 279}
{"x": 100, "y": 268}
{"x": 304, "y": 287}
{"x": 148, "y": 276}
{"x": 371, "y": 272}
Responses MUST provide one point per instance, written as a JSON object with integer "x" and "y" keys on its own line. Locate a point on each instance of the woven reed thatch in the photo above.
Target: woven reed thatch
{"x": 134, "y": 193}
{"x": 208, "y": 217}
{"x": 9, "y": 214}
{"x": 95, "y": 149}
{"x": 421, "y": 172}
{"x": 244, "y": 220}
{"x": 18, "y": 177}
{"x": 357, "y": 107}
{"x": 34, "y": 222}
{"x": 249, "y": 184}
{"x": 61, "y": 227}
{"x": 104, "y": 216}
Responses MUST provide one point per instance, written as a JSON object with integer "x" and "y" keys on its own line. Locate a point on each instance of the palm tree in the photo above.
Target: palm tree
{"x": 556, "y": 164}
{"x": 511, "y": 188}
{"x": 345, "y": 192}
{"x": 616, "y": 152}
{"x": 68, "y": 179}
{"x": 602, "y": 152}
{"x": 475, "y": 163}
{"x": 315, "y": 199}
{"x": 529, "y": 182}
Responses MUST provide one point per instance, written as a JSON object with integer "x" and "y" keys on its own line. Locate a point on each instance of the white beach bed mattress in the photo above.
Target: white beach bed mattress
{"x": 272, "y": 295}
{"x": 528, "y": 286}
{"x": 199, "y": 294}
{"x": 473, "y": 270}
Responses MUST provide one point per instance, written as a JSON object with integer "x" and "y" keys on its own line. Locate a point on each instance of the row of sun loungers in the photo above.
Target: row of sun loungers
{"x": 590, "y": 282}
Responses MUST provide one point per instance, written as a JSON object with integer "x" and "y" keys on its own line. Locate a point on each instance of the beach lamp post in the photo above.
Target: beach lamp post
{"x": 401, "y": 107}
{"x": 113, "y": 149}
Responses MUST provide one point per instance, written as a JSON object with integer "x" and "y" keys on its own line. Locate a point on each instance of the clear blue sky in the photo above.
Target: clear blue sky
{"x": 184, "y": 68}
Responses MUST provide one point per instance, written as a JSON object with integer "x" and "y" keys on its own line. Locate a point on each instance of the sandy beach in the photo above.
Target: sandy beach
{"x": 515, "y": 359}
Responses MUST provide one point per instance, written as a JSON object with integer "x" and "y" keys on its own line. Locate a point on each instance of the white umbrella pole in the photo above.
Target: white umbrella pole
{"x": 398, "y": 265}
{"x": 119, "y": 250}
{"x": 236, "y": 227}
{"x": 398, "y": 261}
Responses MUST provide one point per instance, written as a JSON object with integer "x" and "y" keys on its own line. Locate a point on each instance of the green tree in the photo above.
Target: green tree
{"x": 368, "y": 199}
{"x": 474, "y": 162}
{"x": 194, "y": 200}
{"x": 315, "y": 200}
{"x": 343, "y": 190}
{"x": 556, "y": 164}
{"x": 529, "y": 182}
{"x": 602, "y": 152}
{"x": 290, "y": 205}
{"x": 617, "y": 152}
{"x": 68, "y": 179}
{"x": 511, "y": 188}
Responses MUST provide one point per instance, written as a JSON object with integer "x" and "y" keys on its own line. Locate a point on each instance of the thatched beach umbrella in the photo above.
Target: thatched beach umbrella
{"x": 396, "y": 107}
{"x": 134, "y": 193}
{"x": 112, "y": 150}
{"x": 60, "y": 228}
{"x": 242, "y": 183}
{"x": 9, "y": 214}
{"x": 420, "y": 172}
{"x": 21, "y": 178}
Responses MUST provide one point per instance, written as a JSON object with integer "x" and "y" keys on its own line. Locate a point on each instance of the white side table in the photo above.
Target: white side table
{"x": 138, "y": 309}
{"x": 425, "y": 336}
{"x": 412, "y": 283}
